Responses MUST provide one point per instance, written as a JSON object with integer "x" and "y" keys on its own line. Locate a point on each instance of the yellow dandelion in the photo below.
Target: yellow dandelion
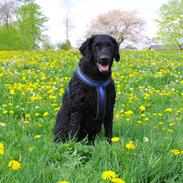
{"x": 168, "y": 110}
{"x": 40, "y": 125}
{"x": 2, "y": 124}
{"x": 12, "y": 91}
{"x": 115, "y": 139}
{"x": 26, "y": 122}
{"x": 171, "y": 124}
{"x": 5, "y": 111}
{"x": 30, "y": 149}
{"x": 52, "y": 97}
{"x": 146, "y": 119}
{"x": 128, "y": 112}
{"x": 36, "y": 114}
{"x": 169, "y": 130}
{"x": 27, "y": 115}
{"x": 142, "y": 108}
{"x": 37, "y": 136}
{"x": 1, "y": 149}
{"x": 56, "y": 109}
{"x": 14, "y": 165}
{"x": 45, "y": 114}
{"x": 63, "y": 181}
{"x": 117, "y": 180}
{"x": 11, "y": 112}
{"x": 176, "y": 152}
{"x": 108, "y": 175}
{"x": 139, "y": 122}
{"x": 130, "y": 145}
{"x": 143, "y": 115}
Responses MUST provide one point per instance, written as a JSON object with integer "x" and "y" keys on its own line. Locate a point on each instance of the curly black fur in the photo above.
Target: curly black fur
{"x": 76, "y": 118}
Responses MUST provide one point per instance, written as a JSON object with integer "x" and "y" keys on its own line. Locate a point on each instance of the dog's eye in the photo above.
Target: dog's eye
{"x": 97, "y": 46}
{"x": 109, "y": 45}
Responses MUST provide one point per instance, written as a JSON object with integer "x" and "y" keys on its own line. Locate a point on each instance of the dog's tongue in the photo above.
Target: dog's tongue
{"x": 103, "y": 67}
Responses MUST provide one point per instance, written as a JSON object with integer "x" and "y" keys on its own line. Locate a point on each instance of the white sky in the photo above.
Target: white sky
{"x": 82, "y": 12}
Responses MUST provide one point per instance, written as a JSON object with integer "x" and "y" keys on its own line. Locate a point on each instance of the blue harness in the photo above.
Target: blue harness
{"x": 101, "y": 93}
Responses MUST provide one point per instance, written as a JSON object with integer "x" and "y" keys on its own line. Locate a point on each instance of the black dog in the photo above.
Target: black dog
{"x": 90, "y": 96}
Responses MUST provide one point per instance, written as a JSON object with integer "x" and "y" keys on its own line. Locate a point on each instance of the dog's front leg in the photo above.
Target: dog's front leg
{"x": 108, "y": 126}
{"x": 75, "y": 123}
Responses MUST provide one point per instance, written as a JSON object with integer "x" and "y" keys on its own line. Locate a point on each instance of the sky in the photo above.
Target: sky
{"x": 82, "y": 12}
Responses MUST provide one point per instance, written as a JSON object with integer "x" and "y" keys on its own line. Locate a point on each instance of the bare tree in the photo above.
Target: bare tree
{"x": 7, "y": 11}
{"x": 68, "y": 24}
{"x": 67, "y": 21}
{"x": 119, "y": 24}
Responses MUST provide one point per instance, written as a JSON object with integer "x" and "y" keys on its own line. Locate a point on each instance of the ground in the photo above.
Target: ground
{"x": 147, "y": 144}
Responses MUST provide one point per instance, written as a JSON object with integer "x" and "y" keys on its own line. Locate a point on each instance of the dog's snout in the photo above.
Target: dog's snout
{"x": 104, "y": 59}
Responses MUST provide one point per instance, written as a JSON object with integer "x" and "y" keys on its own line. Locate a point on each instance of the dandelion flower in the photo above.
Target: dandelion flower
{"x": 30, "y": 149}
{"x": 130, "y": 145}
{"x": 142, "y": 108}
{"x": 128, "y": 112}
{"x": 143, "y": 115}
{"x": 37, "y": 136}
{"x": 115, "y": 139}
{"x": 5, "y": 112}
{"x": 63, "y": 181}
{"x": 1, "y": 149}
{"x": 168, "y": 110}
{"x": 37, "y": 114}
{"x": 171, "y": 124}
{"x": 14, "y": 165}
{"x": 26, "y": 122}
{"x": 12, "y": 91}
{"x": 108, "y": 175}
{"x": 2, "y": 124}
{"x": 145, "y": 139}
{"x": 117, "y": 180}
{"x": 40, "y": 125}
{"x": 45, "y": 114}
{"x": 176, "y": 152}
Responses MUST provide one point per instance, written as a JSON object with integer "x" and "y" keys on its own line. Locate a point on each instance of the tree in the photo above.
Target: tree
{"x": 67, "y": 21}
{"x": 65, "y": 46}
{"x": 171, "y": 24}
{"x": 9, "y": 38}
{"x": 7, "y": 11}
{"x": 46, "y": 44}
{"x": 120, "y": 24}
{"x": 30, "y": 23}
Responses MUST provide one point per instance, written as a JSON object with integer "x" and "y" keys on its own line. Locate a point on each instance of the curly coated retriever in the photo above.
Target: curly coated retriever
{"x": 89, "y": 99}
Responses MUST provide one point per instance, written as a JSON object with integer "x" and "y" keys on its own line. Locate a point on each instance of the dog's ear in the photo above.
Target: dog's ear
{"x": 117, "y": 52}
{"x": 86, "y": 47}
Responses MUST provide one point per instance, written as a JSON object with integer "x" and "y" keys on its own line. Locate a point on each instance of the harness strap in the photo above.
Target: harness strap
{"x": 101, "y": 92}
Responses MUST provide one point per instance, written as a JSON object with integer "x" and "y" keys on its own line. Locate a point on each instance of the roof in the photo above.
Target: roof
{"x": 156, "y": 47}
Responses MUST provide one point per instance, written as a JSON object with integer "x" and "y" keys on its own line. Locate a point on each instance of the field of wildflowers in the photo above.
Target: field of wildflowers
{"x": 147, "y": 146}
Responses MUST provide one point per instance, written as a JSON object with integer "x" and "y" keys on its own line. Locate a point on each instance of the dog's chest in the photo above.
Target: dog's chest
{"x": 90, "y": 101}
{"x": 91, "y": 98}
{"x": 96, "y": 102}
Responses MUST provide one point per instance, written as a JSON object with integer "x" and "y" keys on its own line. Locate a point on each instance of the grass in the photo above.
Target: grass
{"x": 148, "y": 120}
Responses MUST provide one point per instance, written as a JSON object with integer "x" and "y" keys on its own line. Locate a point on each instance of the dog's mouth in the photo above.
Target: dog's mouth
{"x": 103, "y": 68}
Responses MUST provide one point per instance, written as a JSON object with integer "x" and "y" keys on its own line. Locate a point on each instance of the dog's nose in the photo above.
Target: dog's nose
{"x": 104, "y": 59}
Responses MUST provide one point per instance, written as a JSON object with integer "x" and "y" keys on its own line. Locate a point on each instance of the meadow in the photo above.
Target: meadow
{"x": 147, "y": 143}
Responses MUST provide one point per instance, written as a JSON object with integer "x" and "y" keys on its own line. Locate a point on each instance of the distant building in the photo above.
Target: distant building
{"x": 156, "y": 47}
{"x": 181, "y": 47}
{"x": 160, "y": 47}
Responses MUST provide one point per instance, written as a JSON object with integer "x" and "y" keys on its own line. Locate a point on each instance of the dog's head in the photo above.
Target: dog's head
{"x": 101, "y": 49}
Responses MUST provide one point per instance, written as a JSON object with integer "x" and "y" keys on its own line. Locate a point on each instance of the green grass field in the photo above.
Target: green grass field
{"x": 148, "y": 121}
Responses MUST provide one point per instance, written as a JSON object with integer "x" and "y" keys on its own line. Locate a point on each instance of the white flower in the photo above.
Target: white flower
{"x": 145, "y": 139}
{"x": 2, "y": 124}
